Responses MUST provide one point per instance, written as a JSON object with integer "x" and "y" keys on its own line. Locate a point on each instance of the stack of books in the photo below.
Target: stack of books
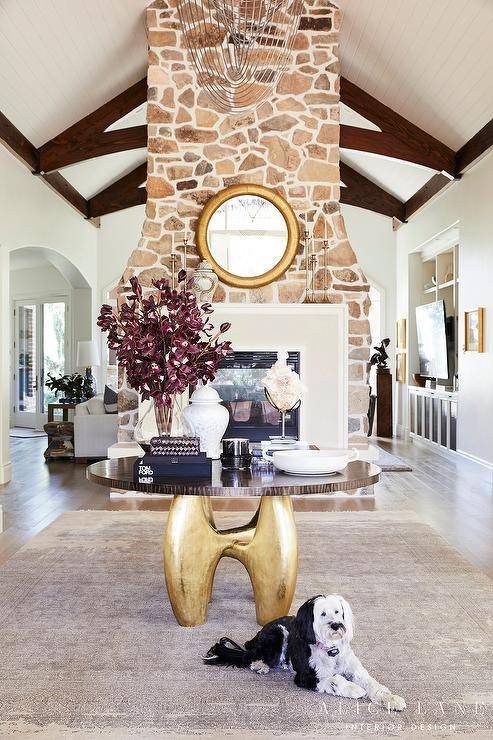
{"x": 173, "y": 458}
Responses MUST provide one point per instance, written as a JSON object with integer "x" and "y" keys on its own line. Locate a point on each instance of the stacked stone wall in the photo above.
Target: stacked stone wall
{"x": 289, "y": 143}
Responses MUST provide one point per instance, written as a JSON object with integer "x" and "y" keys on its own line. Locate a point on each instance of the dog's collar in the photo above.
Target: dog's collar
{"x": 331, "y": 651}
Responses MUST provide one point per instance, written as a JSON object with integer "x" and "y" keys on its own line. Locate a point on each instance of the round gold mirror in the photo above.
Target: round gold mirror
{"x": 249, "y": 234}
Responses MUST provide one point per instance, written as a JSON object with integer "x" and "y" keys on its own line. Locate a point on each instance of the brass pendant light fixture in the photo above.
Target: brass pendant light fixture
{"x": 239, "y": 48}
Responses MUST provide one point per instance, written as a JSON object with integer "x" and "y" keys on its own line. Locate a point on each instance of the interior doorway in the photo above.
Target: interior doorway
{"x": 41, "y": 347}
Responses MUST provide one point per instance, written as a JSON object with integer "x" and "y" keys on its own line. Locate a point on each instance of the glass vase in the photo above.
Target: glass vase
{"x": 158, "y": 420}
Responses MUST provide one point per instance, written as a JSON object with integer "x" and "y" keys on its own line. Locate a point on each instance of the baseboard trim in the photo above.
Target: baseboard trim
{"x": 5, "y": 473}
{"x": 477, "y": 461}
{"x": 485, "y": 467}
{"x": 427, "y": 445}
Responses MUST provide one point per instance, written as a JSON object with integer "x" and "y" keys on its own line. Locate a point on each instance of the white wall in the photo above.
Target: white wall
{"x": 374, "y": 242}
{"x": 118, "y": 236}
{"x": 32, "y": 215}
{"x": 468, "y": 201}
{"x": 37, "y": 281}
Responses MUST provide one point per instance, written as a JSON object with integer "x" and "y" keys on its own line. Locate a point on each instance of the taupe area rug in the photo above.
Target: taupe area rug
{"x": 22, "y": 433}
{"x": 390, "y": 463}
{"x": 89, "y": 646}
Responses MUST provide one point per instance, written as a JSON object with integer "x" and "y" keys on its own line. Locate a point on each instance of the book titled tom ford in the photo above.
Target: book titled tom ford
{"x": 161, "y": 468}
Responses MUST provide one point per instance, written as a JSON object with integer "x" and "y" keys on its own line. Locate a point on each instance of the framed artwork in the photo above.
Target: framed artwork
{"x": 400, "y": 334}
{"x": 473, "y": 330}
{"x": 400, "y": 367}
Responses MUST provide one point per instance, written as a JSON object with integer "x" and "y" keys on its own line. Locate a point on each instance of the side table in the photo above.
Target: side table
{"x": 65, "y": 408}
{"x": 60, "y": 440}
{"x": 266, "y": 545}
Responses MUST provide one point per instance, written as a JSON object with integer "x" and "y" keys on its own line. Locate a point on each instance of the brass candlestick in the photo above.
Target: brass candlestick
{"x": 325, "y": 250}
{"x": 185, "y": 248}
{"x": 174, "y": 258}
{"x": 182, "y": 250}
{"x": 306, "y": 249}
{"x": 312, "y": 261}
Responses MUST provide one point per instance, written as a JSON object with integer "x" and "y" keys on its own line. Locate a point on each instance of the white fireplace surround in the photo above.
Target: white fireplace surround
{"x": 319, "y": 332}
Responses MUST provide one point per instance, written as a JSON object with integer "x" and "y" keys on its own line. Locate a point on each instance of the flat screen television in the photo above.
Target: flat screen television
{"x": 432, "y": 340}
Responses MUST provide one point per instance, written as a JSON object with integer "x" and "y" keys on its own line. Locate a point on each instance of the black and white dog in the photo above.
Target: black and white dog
{"x": 315, "y": 645}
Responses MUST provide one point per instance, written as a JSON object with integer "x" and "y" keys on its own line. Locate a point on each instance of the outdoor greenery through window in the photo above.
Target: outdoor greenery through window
{"x": 54, "y": 346}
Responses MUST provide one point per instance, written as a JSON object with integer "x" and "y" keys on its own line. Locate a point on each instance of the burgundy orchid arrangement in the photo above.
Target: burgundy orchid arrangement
{"x": 165, "y": 342}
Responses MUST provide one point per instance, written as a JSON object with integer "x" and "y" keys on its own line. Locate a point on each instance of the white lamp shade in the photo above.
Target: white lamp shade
{"x": 87, "y": 354}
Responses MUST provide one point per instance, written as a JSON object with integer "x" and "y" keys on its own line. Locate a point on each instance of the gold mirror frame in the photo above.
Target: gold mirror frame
{"x": 292, "y": 226}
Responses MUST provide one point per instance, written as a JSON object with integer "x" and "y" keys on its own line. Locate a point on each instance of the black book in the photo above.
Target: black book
{"x": 160, "y": 468}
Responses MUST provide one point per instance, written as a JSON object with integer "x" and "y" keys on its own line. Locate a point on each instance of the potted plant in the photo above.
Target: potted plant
{"x": 73, "y": 387}
{"x": 164, "y": 342}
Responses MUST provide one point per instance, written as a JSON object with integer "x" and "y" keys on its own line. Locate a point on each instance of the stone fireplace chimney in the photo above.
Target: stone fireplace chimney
{"x": 290, "y": 143}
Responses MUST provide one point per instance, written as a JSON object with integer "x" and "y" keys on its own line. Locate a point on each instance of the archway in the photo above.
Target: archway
{"x": 52, "y": 285}
{"x": 50, "y": 311}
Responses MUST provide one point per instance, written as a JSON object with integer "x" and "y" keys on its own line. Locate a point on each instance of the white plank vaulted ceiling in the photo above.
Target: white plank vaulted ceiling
{"x": 430, "y": 60}
{"x": 62, "y": 59}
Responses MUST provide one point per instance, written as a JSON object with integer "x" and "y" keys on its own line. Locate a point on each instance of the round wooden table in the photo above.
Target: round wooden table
{"x": 266, "y": 546}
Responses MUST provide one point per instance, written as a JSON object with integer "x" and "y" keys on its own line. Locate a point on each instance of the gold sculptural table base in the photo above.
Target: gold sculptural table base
{"x": 266, "y": 545}
{"x": 193, "y": 547}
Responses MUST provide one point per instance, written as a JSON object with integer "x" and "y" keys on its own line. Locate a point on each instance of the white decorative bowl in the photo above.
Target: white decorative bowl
{"x": 312, "y": 462}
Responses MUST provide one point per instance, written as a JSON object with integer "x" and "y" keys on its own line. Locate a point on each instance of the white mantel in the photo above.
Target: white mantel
{"x": 320, "y": 333}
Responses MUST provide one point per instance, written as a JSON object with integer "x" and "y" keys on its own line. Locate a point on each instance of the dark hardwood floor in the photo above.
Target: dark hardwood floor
{"x": 452, "y": 496}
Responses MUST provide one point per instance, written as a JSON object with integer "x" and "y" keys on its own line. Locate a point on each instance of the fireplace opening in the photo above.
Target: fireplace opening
{"x": 238, "y": 382}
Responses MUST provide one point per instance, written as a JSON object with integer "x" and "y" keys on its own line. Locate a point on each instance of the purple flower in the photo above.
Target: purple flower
{"x": 163, "y": 340}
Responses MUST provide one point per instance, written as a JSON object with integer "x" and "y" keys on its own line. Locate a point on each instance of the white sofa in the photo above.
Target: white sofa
{"x": 94, "y": 429}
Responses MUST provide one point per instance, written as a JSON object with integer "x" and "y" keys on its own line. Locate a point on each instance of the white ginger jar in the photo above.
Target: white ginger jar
{"x": 207, "y": 419}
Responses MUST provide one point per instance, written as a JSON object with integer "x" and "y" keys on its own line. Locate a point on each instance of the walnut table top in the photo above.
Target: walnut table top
{"x": 118, "y": 473}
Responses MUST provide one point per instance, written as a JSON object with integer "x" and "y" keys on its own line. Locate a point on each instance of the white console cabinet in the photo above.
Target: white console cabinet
{"x": 433, "y": 416}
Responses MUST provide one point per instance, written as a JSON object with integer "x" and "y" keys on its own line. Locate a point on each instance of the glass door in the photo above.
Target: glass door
{"x": 26, "y": 367}
{"x": 53, "y": 355}
{"x": 40, "y": 347}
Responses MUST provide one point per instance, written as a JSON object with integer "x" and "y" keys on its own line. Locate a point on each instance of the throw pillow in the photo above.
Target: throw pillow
{"x": 110, "y": 400}
{"x": 95, "y": 405}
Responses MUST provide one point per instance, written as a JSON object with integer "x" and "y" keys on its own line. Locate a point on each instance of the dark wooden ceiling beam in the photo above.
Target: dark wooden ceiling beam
{"x": 75, "y": 151}
{"x": 60, "y": 185}
{"x": 475, "y": 148}
{"x": 124, "y": 193}
{"x": 472, "y": 150}
{"x": 24, "y": 150}
{"x": 17, "y": 143}
{"x": 87, "y": 138}
{"x": 364, "y": 193}
{"x": 398, "y": 138}
{"x": 431, "y": 188}
{"x": 388, "y": 145}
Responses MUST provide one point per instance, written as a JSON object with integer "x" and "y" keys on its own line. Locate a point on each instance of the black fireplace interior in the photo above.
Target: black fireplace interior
{"x": 250, "y": 414}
